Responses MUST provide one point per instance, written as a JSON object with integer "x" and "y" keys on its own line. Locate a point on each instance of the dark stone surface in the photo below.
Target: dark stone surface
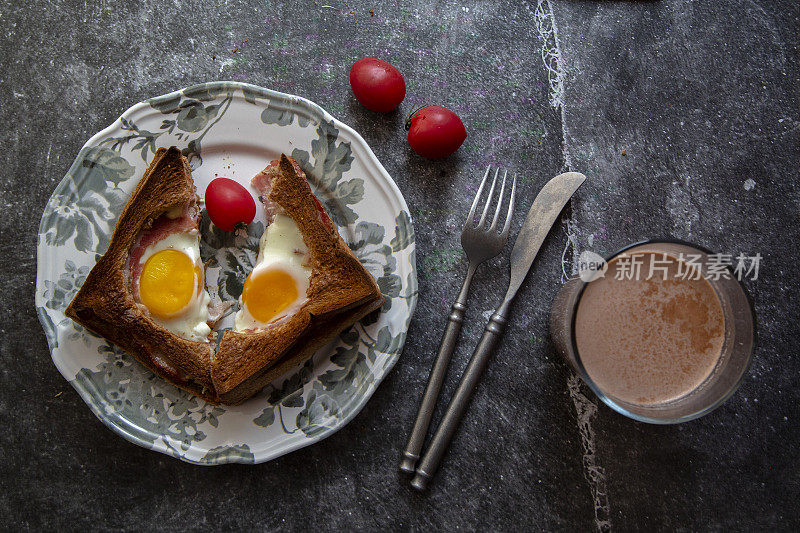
{"x": 701, "y": 97}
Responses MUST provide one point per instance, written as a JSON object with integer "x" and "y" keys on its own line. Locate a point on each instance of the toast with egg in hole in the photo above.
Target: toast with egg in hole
{"x": 146, "y": 294}
{"x": 306, "y": 287}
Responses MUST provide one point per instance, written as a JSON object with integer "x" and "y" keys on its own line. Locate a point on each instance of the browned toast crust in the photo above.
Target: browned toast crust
{"x": 105, "y": 303}
{"x": 315, "y": 337}
{"x": 341, "y": 292}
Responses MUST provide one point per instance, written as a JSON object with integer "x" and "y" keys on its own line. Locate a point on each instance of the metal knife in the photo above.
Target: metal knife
{"x": 541, "y": 216}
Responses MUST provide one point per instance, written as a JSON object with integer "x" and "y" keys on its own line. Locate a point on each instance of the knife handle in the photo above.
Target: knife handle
{"x": 426, "y": 407}
{"x": 458, "y": 405}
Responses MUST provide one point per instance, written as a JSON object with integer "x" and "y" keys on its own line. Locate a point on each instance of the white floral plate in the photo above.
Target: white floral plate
{"x": 229, "y": 129}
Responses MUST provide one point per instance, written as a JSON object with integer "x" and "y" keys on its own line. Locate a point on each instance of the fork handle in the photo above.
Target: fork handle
{"x": 408, "y": 461}
{"x": 458, "y": 405}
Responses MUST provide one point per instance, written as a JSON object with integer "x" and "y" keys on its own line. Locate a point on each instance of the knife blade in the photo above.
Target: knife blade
{"x": 541, "y": 217}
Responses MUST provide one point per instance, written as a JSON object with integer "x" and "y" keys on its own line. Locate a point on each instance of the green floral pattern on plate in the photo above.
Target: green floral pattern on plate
{"x": 310, "y": 402}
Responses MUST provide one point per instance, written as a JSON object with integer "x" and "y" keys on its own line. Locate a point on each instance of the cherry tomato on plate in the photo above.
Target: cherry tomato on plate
{"x": 377, "y": 84}
{"x": 435, "y": 131}
{"x": 229, "y": 204}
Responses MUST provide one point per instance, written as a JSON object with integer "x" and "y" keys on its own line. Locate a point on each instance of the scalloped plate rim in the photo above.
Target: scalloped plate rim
{"x": 120, "y": 425}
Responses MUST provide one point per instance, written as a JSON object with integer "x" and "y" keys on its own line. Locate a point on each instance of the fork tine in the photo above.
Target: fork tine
{"x": 499, "y": 202}
{"x": 489, "y": 199}
{"x": 510, "y": 207}
{"x": 477, "y": 197}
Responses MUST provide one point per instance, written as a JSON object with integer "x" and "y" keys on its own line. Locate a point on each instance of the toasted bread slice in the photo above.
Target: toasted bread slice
{"x": 105, "y": 303}
{"x": 341, "y": 292}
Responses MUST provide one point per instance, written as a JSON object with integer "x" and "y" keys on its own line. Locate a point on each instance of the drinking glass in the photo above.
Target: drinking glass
{"x": 735, "y": 355}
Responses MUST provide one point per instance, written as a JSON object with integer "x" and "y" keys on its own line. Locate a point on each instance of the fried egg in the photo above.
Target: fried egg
{"x": 279, "y": 281}
{"x": 172, "y": 288}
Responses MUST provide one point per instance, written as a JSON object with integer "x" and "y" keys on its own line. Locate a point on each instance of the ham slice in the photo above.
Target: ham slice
{"x": 262, "y": 182}
{"x": 162, "y": 227}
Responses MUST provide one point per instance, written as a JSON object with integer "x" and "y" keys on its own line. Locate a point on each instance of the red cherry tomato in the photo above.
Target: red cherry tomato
{"x": 229, "y": 204}
{"x": 377, "y": 84}
{"x": 435, "y": 132}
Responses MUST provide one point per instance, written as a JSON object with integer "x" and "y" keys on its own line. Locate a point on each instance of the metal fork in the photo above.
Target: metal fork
{"x": 480, "y": 243}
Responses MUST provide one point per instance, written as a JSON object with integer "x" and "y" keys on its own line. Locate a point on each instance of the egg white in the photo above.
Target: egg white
{"x": 281, "y": 246}
{"x": 191, "y": 322}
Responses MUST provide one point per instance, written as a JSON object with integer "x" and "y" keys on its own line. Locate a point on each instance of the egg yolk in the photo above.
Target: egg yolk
{"x": 268, "y": 292}
{"x": 167, "y": 282}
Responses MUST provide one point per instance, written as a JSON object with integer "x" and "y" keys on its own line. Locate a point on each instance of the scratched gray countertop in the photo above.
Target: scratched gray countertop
{"x": 683, "y": 115}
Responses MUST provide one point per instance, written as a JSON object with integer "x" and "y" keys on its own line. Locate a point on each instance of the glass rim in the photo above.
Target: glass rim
{"x": 648, "y": 419}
